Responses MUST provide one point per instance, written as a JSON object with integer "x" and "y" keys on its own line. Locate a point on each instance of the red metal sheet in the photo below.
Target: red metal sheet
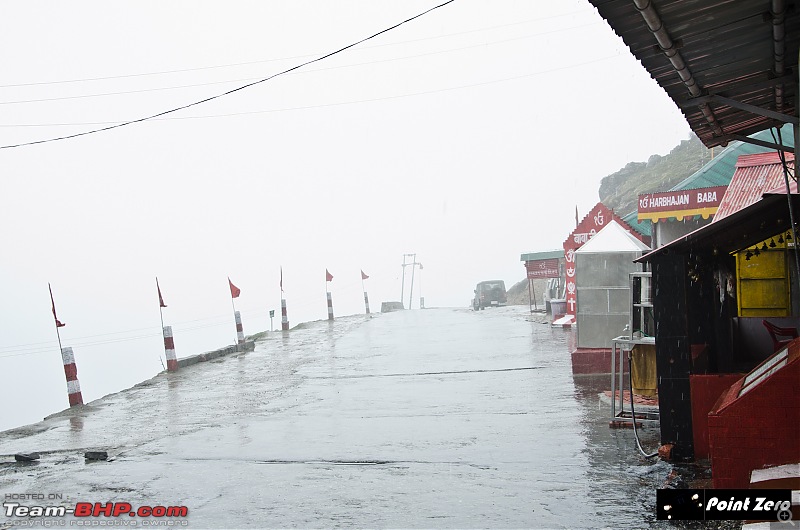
{"x": 755, "y": 175}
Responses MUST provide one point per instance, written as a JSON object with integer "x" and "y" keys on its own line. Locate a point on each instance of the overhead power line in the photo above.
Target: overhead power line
{"x": 262, "y": 61}
{"x": 195, "y": 85}
{"x": 229, "y": 92}
{"x": 335, "y": 104}
{"x": 151, "y": 332}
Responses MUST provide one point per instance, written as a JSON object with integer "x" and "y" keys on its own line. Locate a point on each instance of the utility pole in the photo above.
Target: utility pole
{"x": 421, "y": 298}
{"x": 411, "y": 291}
{"x": 403, "y": 282}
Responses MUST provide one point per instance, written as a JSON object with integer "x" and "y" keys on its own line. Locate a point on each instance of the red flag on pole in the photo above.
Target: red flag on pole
{"x": 281, "y": 278}
{"x": 420, "y": 266}
{"x": 363, "y": 276}
{"x": 59, "y": 324}
{"x": 328, "y": 276}
{"x": 160, "y": 299}
{"x": 235, "y": 291}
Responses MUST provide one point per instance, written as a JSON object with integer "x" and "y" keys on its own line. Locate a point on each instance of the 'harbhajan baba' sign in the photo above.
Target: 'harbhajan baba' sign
{"x": 680, "y": 204}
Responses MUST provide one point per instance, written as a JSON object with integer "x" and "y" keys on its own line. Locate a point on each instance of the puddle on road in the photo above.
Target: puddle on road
{"x": 432, "y": 418}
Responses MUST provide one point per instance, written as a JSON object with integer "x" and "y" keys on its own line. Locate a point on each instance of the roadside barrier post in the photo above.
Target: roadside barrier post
{"x": 239, "y": 329}
{"x": 169, "y": 350}
{"x": 71, "y": 371}
{"x": 284, "y": 317}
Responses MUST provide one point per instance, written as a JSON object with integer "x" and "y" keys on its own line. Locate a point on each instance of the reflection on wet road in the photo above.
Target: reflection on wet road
{"x": 433, "y": 418}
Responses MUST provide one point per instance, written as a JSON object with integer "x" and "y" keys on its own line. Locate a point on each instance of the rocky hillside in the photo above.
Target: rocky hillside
{"x": 621, "y": 190}
{"x": 518, "y": 293}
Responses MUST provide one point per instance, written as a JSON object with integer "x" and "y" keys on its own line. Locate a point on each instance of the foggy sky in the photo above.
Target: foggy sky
{"x": 468, "y": 136}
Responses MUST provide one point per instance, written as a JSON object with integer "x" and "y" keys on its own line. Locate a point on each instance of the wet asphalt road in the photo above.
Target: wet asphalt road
{"x": 440, "y": 418}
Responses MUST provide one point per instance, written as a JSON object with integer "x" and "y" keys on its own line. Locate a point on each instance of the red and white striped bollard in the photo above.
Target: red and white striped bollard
{"x": 71, "y": 371}
{"x": 284, "y": 316}
{"x": 366, "y": 301}
{"x": 169, "y": 350}
{"x": 330, "y": 306}
{"x": 239, "y": 329}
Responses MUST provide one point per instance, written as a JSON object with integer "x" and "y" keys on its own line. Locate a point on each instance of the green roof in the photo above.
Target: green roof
{"x": 643, "y": 227}
{"x": 550, "y": 254}
{"x": 719, "y": 171}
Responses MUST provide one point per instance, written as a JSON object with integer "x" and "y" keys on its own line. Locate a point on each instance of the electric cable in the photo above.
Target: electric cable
{"x": 336, "y": 104}
{"x": 232, "y": 91}
{"x": 195, "y": 85}
{"x": 633, "y": 412}
{"x": 261, "y": 61}
{"x": 785, "y": 166}
{"x": 34, "y": 348}
{"x": 186, "y": 326}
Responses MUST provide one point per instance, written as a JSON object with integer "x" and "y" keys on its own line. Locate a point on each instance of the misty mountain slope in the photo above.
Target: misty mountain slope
{"x": 619, "y": 191}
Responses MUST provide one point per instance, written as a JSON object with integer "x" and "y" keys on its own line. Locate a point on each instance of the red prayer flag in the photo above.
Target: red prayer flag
{"x": 59, "y": 324}
{"x": 160, "y": 299}
{"x": 328, "y": 276}
{"x": 235, "y": 291}
{"x": 363, "y": 276}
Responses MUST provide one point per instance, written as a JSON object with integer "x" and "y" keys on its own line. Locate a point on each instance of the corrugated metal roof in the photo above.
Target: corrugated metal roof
{"x": 755, "y": 174}
{"x": 549, "y": 254}
{"x": 719, "y": 171}
{"x": 728, "y": 48}
{"x": 643, "y": 227}
{"x": 742, "y": 229}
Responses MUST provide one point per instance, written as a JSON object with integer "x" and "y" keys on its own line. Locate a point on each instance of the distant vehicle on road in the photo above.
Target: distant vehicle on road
{"x": 489, "y": 293}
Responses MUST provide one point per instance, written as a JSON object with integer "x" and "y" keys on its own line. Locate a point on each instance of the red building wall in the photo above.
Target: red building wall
{"x": 756, "y": 430}
{"x": 705, "y": 391}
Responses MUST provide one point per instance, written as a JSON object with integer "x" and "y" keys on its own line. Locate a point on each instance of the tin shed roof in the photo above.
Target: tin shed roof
{"x": 755, "y": 175}
{"x": 740, "y": 230}
{"x": 550, "y": 254}
{"x": 719, "y": 171}
{"x": 730, "y": 66}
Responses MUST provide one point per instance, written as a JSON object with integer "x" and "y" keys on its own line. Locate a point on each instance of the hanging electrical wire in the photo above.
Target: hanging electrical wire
{"x": 37, "y": 348}
{"x": 633, "y": 413}
{"x": 262, "y": 61}
{"x": 186, "y": 326}
{"x": 336, "y": 104}
{"x": 793, "y": 226}
{"x": 232, "y": 91}
{"x": 352, "y": 65}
